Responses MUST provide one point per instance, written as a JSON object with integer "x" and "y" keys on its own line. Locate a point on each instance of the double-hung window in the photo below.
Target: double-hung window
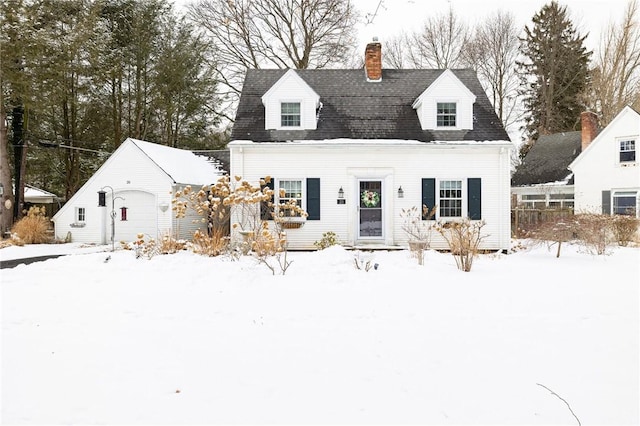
{"x": 80, "y": 214}
{"x": 450, "y": 198}
{"x": 446, "y": 114}
{"x": 625, "y": 202}
{"x": 627, "y": 151}
{"x": 290, "y": 114}
{"x": 290, "y": 191}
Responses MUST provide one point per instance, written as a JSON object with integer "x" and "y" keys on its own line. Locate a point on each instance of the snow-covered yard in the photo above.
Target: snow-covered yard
{"x": 524, "y": 338}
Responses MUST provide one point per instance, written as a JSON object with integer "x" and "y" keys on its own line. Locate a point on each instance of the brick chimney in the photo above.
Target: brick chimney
{"x": 373, "y": 60}
{"x": 589, "y": 126}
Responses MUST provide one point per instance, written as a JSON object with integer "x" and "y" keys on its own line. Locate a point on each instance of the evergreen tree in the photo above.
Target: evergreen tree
{"x": 554, "y": 72}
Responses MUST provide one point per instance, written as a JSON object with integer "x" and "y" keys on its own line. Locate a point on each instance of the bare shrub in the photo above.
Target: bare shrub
{"x": 33, "y": 228}
{"x": 625, "y": 229}
{"x": 595, "y": 232}
{"x": 556, "y": 231}
{"x": 463, "y": 238}
{"x": 270, "y": 248}
{"x": 145, "y": 247}
{"x": 418, "y": 226}
{"x": 169, "y": 245}
{"x": 213, "y": 244}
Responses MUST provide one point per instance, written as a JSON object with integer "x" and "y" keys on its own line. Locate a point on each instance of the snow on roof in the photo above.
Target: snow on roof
{"x": 181, "y": 165}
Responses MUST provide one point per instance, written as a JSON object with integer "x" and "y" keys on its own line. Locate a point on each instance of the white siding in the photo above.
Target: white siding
{"x": 396, "y": 165}
{"x": 598, "y": 168}
{"x": 146, "y": 190}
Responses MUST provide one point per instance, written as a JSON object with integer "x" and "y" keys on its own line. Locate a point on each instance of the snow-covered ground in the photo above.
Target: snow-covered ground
{"x": 524, "y": 338}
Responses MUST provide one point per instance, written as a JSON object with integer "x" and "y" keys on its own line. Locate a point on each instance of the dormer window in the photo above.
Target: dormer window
{"x": 290, "y": 114}
{"x": 447, "y": 104}
{"x": 446, "y": 114}
{"x": 291, "y": 104}
{"x": 627, "y": 151}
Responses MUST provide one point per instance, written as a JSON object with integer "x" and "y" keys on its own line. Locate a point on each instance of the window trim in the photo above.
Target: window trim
{"x": 463, "y": 190}
{"x": 302, "y": 198}
{"x": 618, "y": 194}
{"x": 634, "y": 151}
{"x": 282, "y": 115}
{"x": 438, "y": 115}
{"x": 80, "y": 215}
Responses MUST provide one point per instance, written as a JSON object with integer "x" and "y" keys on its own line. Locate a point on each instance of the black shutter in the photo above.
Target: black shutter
{"x": 313, "y": 198}
{"x": 606, "y": 202}
{"x": 428, "y": 195}
{"x": 266, "y": 210}
{"x": 474, "y": 198}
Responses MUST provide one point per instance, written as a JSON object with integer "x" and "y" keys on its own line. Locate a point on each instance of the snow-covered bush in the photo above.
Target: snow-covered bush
{"x": 328, "y": 239}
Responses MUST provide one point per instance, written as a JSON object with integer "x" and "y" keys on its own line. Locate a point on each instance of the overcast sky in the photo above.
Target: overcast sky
{"x": 394, "y": 16}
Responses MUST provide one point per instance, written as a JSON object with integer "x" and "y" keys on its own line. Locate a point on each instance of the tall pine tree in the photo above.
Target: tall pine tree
{"x": 554, "y": 73}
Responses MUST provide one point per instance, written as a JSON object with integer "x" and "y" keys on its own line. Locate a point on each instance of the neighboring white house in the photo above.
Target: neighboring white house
{"x": 607, "y": 173}
{"x": 543, "y": 180}
{"x": 138, "y": 182}
{"x": 405, "y": 137}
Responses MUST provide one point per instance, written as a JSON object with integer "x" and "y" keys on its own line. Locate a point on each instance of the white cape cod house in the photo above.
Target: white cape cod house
{"x": 404, "y": 137}
{"x": 137, "y": 182}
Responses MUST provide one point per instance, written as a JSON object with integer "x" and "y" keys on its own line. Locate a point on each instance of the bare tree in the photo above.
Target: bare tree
{"x": 616, "y": 75}
{"x": 275, "y": 34}
{"x": 395, "y": 51}
{"x": 492, "y": 51}
{"x": 440, "y": 42}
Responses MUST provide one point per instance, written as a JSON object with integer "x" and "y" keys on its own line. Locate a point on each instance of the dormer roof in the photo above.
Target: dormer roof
{"x": 447, "y": 77}
{"x": 290, "y": 81}
{"x": 353, "y": 108}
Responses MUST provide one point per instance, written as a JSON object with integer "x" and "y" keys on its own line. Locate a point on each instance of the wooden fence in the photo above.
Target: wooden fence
{"x": 523, "y": 220}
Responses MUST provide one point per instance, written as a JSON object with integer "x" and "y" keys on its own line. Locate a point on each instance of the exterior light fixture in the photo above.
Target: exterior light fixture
{"x": 400, "y": 192}
{"x": 341, "y": 199}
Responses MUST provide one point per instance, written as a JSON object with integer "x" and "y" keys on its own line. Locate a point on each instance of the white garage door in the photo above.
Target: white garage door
{"x": 141, "y": 216}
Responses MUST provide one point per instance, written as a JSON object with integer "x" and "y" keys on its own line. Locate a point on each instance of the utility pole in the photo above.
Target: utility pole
{"x": 6, "y": 191}
{"x": 17, "y": 125}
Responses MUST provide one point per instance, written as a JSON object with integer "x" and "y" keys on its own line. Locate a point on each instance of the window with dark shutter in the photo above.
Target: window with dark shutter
{"x": 606, "y": 202}
{"x": 429, "y": 196}
{"x": 474, "y": 198}
{"x": 266, "y": 207}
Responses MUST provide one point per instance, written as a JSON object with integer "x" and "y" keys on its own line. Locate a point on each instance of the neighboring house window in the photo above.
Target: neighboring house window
{"x": 625, "y": 203}
{"x": 446, "y": 114}
{"x": 80, "y": 214}
{"x": 627, "y": 151}
{"x": 450, "y": 198}
{"x": 290, "y": 190}
{"x": 290, "y": 114}
{"x": 541, "y": 201}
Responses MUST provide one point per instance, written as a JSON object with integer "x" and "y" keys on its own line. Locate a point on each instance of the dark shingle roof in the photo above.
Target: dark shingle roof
{"x": 353, "y": 108}
{"x": 548, "y": 159}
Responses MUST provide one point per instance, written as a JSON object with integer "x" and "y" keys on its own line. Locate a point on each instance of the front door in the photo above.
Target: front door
{"x": 370, "y": 209}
